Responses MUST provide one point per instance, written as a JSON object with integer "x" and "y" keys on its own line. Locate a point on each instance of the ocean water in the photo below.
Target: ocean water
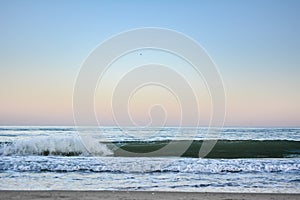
{"x": 243, "y": 159}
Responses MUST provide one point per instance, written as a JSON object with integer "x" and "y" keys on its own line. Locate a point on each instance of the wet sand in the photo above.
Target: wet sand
{"x": 91, "y": 195}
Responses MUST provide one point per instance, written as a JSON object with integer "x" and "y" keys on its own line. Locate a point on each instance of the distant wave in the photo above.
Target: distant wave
{"x": 18, "y": 129}
{"x": 227, "y": 149}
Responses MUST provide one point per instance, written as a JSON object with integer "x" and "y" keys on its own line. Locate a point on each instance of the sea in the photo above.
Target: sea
{"x": 264, "y": 160}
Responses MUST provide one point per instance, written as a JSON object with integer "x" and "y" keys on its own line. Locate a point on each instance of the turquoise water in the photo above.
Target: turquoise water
{"x": 56, "y": 158}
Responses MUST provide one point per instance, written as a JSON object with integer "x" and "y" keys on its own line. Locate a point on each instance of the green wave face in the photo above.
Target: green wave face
{"x": 226, "y": 149}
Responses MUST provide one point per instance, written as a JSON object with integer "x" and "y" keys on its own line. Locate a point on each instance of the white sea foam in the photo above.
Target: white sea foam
{"x": 48, "y": 145}
{"x": 148, "y": 165}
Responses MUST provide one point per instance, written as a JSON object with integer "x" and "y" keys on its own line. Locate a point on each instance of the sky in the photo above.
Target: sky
{"x": 254, "y": 44}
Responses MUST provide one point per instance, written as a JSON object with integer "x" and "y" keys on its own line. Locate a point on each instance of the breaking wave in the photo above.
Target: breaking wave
{"x": 44, "y": 146}
{"x": 224, "y": 149}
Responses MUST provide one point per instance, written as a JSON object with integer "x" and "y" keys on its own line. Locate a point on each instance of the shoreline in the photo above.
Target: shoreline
{"x": 143, "y": 195}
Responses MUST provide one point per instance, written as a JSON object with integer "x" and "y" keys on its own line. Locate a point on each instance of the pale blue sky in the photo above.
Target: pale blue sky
{"x": 255, "y": 44}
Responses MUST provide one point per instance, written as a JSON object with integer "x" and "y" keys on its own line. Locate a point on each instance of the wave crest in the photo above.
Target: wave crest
{"x": 63, "y": 146}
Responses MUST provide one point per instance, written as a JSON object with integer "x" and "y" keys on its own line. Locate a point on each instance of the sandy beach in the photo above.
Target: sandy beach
{"x": 35, "y": 195}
